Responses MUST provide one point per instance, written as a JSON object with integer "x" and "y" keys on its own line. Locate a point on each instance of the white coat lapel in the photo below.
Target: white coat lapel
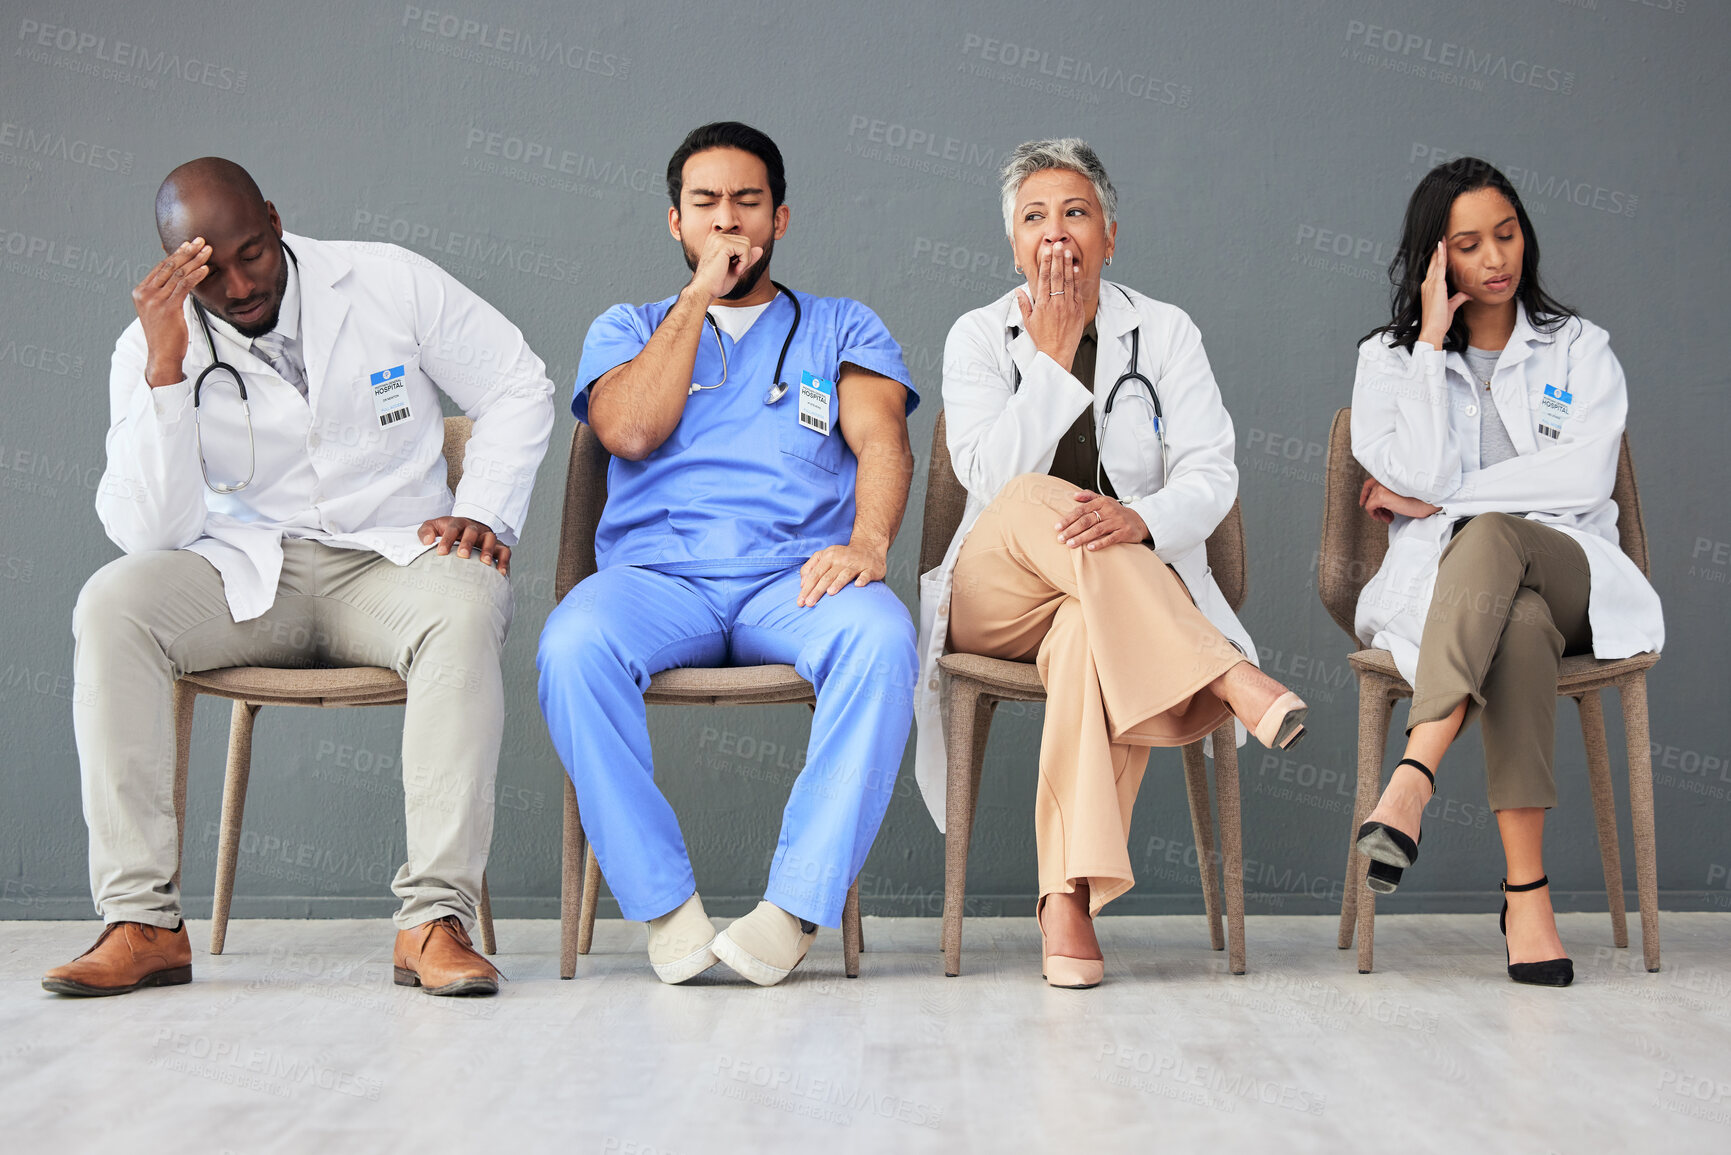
{"x": 229, "y": 347}
{"x": 1510, "y": 391}
{"x": 1114, "y": 319}
{"x": 323, "y": 308}
{"x": 1115, "y": 315}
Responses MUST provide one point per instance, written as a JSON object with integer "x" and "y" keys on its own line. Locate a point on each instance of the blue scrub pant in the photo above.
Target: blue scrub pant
{"x": 613, "y": 631}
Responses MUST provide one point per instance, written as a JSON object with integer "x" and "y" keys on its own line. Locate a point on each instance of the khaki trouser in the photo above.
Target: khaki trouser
{"x": 1125, "y": 657}
{"x": 1510, "y": 601}
{"x": 147, "y": 618}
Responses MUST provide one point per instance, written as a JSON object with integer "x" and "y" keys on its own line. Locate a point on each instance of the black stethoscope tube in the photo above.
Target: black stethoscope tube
{"x": 777, "y": 387}
{"x": 245, "y": 405}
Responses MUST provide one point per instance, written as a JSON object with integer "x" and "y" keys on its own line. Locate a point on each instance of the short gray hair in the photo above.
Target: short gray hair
{"x": 1071, "y": 153}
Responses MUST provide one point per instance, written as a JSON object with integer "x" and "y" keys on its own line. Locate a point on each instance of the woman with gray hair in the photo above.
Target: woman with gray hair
{"x": 1086, "y": 426}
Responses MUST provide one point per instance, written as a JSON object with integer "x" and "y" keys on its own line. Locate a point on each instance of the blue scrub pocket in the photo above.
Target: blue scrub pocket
{"x": 815, "y": 448}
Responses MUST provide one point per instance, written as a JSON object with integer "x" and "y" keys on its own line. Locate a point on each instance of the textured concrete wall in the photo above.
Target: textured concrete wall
{"x": 1264, "y": 154}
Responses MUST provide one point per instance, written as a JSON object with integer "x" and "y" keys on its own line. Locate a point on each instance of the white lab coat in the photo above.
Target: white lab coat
{"x": 1415, "y": 428}
{"x": 998, "y": 432}
{"x": 327, "y": 470}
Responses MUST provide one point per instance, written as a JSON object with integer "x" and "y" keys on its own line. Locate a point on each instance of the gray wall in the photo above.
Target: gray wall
{"x": 1263, "y": 154}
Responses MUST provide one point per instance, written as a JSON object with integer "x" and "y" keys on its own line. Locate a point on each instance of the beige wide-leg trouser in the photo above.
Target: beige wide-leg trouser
{"x": 1125, "y": 657}
{"x": 146, "y": 618}
{"x": 1510, "y": 600}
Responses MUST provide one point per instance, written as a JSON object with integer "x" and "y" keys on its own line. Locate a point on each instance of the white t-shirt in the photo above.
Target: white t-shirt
{"x": 735, "y": 320}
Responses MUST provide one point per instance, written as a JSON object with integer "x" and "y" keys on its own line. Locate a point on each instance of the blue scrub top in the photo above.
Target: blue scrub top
{"x": 739, "y": 485}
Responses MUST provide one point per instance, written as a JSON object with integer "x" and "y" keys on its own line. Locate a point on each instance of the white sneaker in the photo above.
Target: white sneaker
{"x": 680, "y": 941}
{"x": 765, "y": 945}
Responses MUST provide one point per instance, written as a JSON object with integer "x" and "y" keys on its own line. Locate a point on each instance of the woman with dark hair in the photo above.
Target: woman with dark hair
{"x": 1490, "y": 419}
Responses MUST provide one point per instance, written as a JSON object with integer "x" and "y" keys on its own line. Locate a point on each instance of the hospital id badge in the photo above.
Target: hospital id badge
{"x": 1553, "y": 411}
{"x": 390, "y": 395}
{"x": 814, "y": 395}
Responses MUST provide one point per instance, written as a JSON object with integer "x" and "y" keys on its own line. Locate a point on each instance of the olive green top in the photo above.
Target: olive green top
{"x": 1078, "y": 455}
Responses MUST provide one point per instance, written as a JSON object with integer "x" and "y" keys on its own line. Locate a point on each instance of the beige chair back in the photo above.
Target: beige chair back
{"x": 1353, "y": 544}
{"x": 457, "y": 431}
{"x": 946, "y": 501}
{"x": 585, "y": 495}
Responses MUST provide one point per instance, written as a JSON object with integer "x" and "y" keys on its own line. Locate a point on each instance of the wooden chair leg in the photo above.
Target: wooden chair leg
{"x": 1604, "y": 810}
{"x": 1358, "y": 904}
{"x": 1231, "y": 841}
{"x": 967, "y": 725}
{"x": 570, "y": 882}
{"x": 185, "y": 697}
{"x": 484, "y": 916}
{"x": 233, "y": 806}
{"x": 1633, "y": 691}
{"x": 850, "y": 924}
{"x": 850, "y": 932}
{"x": 591, "y": 897}
{"x": 1202, "y": 829}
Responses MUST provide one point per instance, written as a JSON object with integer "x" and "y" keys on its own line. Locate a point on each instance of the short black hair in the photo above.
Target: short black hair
{"x": 728, "y": 134}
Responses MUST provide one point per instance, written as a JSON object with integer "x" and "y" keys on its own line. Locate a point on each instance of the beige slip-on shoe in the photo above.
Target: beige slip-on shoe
{"x": 765, "y": 945}
{"x": 679, "y": 942}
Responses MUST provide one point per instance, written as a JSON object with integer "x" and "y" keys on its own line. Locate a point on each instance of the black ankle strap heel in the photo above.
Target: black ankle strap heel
{"x": 1551, "y": 972}
{"x": 1390, "y": 851}
{"x": 1420, "y": 767}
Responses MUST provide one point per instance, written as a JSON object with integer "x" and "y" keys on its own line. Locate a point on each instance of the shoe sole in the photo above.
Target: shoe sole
{"x": 687, "y": 968}
{"x": 1379, "y": 846}
{"x": 170, "y": 977}
{"x": 1558, "y": 981}
{"x": 748, "y": 966}
{"x": 1069, "y": 986}
{"x": 473, "y": 985}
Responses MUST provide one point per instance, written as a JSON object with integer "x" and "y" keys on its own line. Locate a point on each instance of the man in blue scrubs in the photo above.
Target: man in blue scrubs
{"x": 746, "y": 523}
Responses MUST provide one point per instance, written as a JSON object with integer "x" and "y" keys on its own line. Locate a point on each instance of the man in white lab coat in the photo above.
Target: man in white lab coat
{"x": 276, "y": 479}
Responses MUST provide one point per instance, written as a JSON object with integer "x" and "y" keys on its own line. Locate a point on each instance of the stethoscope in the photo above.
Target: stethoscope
{"x": 245, "y": 406}
{"x": 198, "y": 420}
{"x": 1152, "y": 400}
{"x": 778, "y": 387}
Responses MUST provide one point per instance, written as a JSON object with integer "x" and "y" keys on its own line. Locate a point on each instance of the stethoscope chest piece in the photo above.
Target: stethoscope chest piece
{"x": 778, "y": 389}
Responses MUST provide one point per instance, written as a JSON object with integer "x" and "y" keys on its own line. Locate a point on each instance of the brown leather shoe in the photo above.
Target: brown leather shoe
{"x": 126, "y": 956}
{"x": 439, "y": 956}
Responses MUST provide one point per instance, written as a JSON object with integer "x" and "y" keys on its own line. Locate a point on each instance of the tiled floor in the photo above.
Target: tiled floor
{"x": 297, "y": 1041}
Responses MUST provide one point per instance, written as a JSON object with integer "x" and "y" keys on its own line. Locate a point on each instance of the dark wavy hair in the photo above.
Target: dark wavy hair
{"x": 1427, "y": 217}
{"x": 728, "y": 134}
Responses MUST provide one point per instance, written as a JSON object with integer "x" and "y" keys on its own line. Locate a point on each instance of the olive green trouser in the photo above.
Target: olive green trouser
{"x": 1510, "y": 601}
